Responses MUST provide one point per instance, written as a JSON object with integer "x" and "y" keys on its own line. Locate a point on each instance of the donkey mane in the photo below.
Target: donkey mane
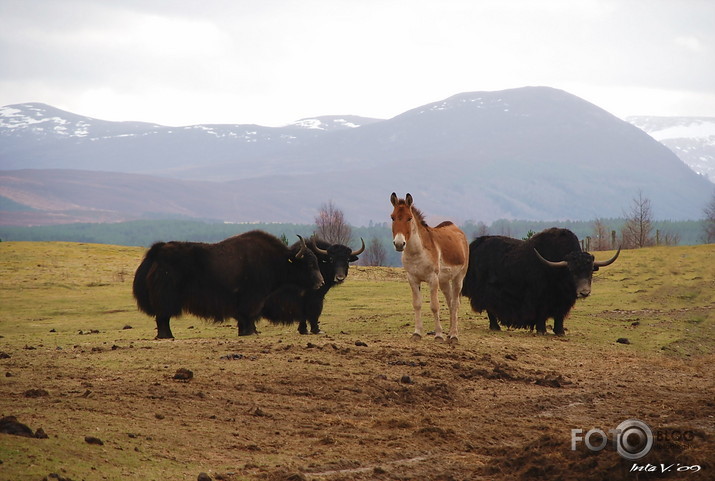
{"x": 419, "y": 216}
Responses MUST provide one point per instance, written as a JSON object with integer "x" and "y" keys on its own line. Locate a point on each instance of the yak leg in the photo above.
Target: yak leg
{"x": 247, "y": 311}
{"x": 162, "y": 327}
{"x": 246, "y": 327}
{"x": 303, "y": 327}
{"x": 247, "y": 322}
{"x": 493, "y": 321}
{"x": 541, "y": 325}
{"x": 559, "y": 325}
{"x": 313, "y": 310}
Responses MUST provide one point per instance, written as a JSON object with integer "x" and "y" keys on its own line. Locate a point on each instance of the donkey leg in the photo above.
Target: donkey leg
{"x": 417, "y": 306}
{"x": 454, "y": 302}
{"x": 434, "y": 306}
{"x": 451, "y": 291}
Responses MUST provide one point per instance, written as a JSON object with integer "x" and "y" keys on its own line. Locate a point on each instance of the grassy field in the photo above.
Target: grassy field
{"x": 80, "y": 360}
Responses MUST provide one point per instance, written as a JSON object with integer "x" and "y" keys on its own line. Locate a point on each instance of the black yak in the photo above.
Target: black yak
{"x": 523, "y": 283}
{"x": 229, "y": 279}
{"x": 290, "y": 303}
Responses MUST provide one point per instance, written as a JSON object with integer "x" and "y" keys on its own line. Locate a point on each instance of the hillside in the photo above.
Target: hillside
{"x": 529, "y": 153}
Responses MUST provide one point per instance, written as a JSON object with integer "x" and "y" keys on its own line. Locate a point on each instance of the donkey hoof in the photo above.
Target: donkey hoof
{"x": 416, "y": 337}
{"x": 453, "y": 340}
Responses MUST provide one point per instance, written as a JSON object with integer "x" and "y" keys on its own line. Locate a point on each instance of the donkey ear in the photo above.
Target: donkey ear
{"x": 393, "y": 198}
{"x": 408, "y": 199}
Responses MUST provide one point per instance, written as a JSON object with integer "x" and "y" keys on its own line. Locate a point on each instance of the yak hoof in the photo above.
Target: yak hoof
{"x": 163, "y": 337}
{"x": 416, "y": 337}
{"x": 439, "y": 338}
{"x": 453, "y": 340}
{"x": 494, "y": 328}
{"x": 560, "y": 333}
{"x": 303, "y": 332}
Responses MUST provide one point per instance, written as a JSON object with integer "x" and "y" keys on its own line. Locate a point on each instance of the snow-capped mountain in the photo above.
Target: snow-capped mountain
{"x": 530, "y": 153}
{"x": 34, "y": 135}
{"x": 41, "y": 120}
{"x": 45, "y": 122}
{"x": 691, "y": 138}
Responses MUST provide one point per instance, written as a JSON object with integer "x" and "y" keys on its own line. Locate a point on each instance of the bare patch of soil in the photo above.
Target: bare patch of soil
{"x": 500, "y": 406}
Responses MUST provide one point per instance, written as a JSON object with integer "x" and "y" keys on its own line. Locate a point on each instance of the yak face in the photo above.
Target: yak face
{"x": 335, "y": 260}
{"x": 306, "y": 269}
{"x": 580, "y": 266}
{"x": 338, "y": 261}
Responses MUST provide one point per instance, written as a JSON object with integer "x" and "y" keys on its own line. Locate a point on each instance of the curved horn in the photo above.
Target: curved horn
{"x": 359, "y": 251}
{"x": 609, "y": 261}
{"x": 551, "y": 263}
{"x": 303, "y": 247}
{"x": 318, "y": 249}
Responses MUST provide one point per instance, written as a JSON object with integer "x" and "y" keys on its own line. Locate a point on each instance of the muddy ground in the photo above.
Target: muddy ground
{"x": 499, "y": 406}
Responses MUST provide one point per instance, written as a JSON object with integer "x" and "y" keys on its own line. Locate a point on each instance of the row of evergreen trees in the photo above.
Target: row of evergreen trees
{"x": 146, "y": 232}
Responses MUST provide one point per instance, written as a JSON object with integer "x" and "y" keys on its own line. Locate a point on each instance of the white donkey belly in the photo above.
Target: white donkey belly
{"x": 420, "y": 267}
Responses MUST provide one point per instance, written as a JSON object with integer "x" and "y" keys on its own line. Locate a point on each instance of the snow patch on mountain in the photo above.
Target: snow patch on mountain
{"x": 330, "y": 123}
{"x": 692, "y": 139}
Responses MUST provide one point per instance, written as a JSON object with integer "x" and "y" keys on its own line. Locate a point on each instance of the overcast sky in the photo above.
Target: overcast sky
{"x": 271, "y": 62}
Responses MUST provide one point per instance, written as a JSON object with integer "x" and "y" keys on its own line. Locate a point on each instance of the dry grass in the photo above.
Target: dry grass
{"x": 499, "y": 406}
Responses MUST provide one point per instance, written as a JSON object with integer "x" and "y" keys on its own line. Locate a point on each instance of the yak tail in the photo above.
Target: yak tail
{"x": 470, "y": 279}
{"x": 142, "y": 278}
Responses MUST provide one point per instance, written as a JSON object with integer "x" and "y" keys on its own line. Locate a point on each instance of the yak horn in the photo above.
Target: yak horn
{"x": 318, "y": 249}
{"x": 551, "y": 263}
{"x": 609, "y": 261}
{"x": 360, "y": 251}
{"x": 303, "y": 247}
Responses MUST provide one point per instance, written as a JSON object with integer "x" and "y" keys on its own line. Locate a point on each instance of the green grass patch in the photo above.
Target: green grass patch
{"x": 70, "y": 325}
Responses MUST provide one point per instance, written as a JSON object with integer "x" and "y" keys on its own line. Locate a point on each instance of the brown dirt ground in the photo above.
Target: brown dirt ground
{"x": 499, "y": 406}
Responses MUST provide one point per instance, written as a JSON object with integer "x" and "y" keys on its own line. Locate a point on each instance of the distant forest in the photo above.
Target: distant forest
{"x": 146, "y": 232}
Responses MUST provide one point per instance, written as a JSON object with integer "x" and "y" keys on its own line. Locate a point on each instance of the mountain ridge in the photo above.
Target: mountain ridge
{"x": 692, "y": 139}
{"x": 528, "y": 153}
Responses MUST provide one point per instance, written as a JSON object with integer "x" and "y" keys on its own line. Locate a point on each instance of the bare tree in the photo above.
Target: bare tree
{"x": 375, "y": 254}
{"x": 502, "y": 227}
{"x": 331, "y": 226}
{"x": 710, "y": 221}
{"x": 637, "y": 231}
{"x": 482, "y": 230}
{"x": 666, "y": 238}
{"x": 601, "y": 240}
